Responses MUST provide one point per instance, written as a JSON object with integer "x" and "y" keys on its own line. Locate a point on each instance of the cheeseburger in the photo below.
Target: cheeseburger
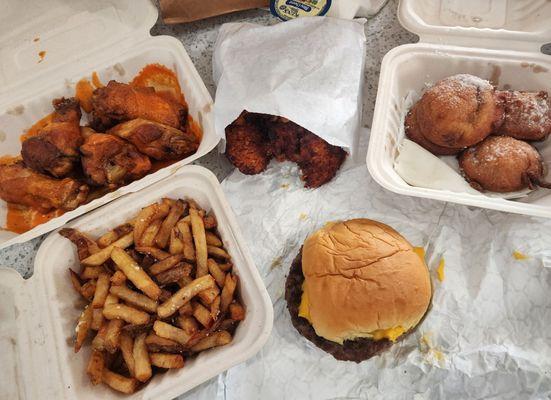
{"x": 356, "y": 288}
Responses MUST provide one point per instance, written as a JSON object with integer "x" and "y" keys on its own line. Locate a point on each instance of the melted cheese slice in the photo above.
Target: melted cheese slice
{"x": 391, "y": 334}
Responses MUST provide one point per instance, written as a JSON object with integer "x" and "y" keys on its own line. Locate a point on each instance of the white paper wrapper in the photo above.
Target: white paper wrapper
{"x": 486, "y": 336}
{"x": 308, "y": 70}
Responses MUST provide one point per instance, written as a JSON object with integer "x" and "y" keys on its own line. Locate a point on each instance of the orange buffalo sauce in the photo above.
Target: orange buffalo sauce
{"x": 83, "y": 93}
{"x": 20, "y": 219}
{"x": 163, "y": 79}
{"x": 37, "y": 127}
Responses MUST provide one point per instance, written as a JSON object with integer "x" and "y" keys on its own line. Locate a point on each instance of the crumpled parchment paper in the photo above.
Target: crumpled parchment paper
{"x": 487, "y": 335}
{"x": 308, "y": 70}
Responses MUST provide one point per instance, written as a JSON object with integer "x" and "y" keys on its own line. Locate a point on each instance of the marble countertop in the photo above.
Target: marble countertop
{"x": 383, "y": 33}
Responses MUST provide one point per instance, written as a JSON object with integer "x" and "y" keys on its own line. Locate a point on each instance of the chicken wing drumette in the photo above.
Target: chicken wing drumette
{"x": 119, "y": 102}
{"x": 22, "y": 185}
{"x": 110, "y": 161}
{"x": 55, "y": 149}
{"x": 158, "y": 141}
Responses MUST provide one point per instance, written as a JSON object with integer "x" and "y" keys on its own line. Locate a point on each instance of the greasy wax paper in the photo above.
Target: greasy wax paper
{"x": 486, "y": 336}
{"x": 308, "y": 70}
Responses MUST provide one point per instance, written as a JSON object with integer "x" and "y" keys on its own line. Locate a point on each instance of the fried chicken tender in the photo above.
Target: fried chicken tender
{"x": 55, "y": 149}
{"x": 247, "y": 145}
{"x": 119, "y": 102}
{"x": 414, "y": 133}
{"x": 253, "y": 139}
{"x": 110, "y": 161}
{"x": 527, "y": 115}
{"x": 458, "y": 111}
{"x": 158, "y": 141}
{"x": 319, "y": 161}
{"x": 502, "y": 164}
{"x": 22, "y": 185}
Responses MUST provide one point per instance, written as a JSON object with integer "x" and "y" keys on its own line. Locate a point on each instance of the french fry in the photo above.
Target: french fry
{"x": 85, "y": 245}
{"x": 212, "y": 239}
{"x": 111, "y": 299}
{"x": 111, "y": 236}
{"x": 91, "y": 272}
{"x": 88, "y": 290}
{"x": 112, "y": 336}
{"x": 176, "y": 245}
{"x": 217, "y": 252}
{"x": 215, "y": 308}
{"x": 142, "y": 364}
{"x": 226, "y": 266}
{"x": 95, "y": 366}
{"x": 184, "y": 281}
{"x": 135, "y": 330}
{"x": 198, "y": 231}
{"x": 102, "y": 290}
{"x": 126, "y": 313}
{"x": 227, "y": 324}
{"x": 167, "y": 361}
{"x": 168, "y": 331}
{"x": 237, "y": 312}
{"x": 99, "y": 340}
{"x": 83, "y": 326}
{"x": 188, "y": 324}
{"x": 97, "y": 319}
{"x": 154, "y": 252}
{"x": 202, "y": 315}
{"x": 143, "y": 220}
{"x": 156, "y": 344}
{"x": 218, "y": 275}
{"x": 220, "y": 338}
{"x": 118, "y": 278}
{"x": 135, "y": 273}
{"x": 103, "y": 255}
{"x": 207, "y": 296}
{"x": 165, "y": 264}
{"x": 209, "y": 221}
{"x": 148, "y": 237}
{"x": 164, "y": 233}
{"x": 118, "y": 382}
{"x": 164, "y": 208}
{"x": 227, "y": 292}
{"x": 184, "y": 295}
{"x": 186, "y": 309}
{"x": 127, "y": 348}
{"x": 172, "y": 275}
{"x": 165, "y": 295}
{"x": 75, "y": 281}
{"x": 134, "y": 298}
{"x": 187, "y": 240}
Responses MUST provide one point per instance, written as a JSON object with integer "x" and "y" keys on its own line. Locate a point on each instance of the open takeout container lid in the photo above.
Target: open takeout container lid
{"x": 70, "y": 33}
{"x": 79, "y": 37}
{"x": 507, "y": 24}
{"x": 39, "y": 314}
{"x": 498, "y": 40}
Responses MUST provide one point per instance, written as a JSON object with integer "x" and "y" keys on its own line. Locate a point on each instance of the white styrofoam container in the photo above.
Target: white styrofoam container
{"x": 39, "y": 314}
{"x": 496, "y": 40}
{"x": 110, "y": 37}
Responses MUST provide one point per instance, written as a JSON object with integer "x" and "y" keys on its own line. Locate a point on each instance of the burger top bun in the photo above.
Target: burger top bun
{"x": 361, "y": 278}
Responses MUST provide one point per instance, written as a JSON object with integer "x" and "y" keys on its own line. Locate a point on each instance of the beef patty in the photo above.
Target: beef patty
{"x": 356, "y": 350}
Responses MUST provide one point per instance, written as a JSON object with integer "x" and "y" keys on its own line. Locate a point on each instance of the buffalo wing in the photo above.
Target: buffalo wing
{"x": 110, "y": 161}
{"x": 119, "y": 102}
{"x": 158, "y": 141}
{"x": 55, "y": 149}
{"x": 22, "y": 185}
